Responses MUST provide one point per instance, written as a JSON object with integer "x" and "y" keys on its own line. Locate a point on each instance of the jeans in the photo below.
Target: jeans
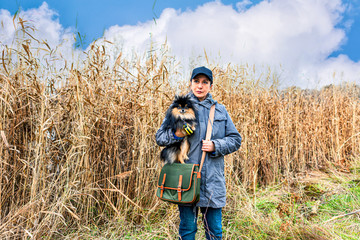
{"x": 188, "y": 222}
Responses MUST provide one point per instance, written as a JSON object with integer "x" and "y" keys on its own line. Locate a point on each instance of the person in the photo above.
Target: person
{"x": 225, "y": 139}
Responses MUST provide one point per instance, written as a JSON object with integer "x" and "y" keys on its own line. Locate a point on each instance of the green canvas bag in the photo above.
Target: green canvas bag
{"x": 180, "y": 183}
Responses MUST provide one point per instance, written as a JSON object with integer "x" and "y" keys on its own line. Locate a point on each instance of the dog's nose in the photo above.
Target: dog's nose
{"x": 182, "y": 111}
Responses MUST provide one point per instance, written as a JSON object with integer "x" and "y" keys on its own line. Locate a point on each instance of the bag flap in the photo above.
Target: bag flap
{"x": 173, "y": 172}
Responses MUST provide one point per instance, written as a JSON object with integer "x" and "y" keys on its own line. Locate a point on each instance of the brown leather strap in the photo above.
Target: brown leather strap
{"x": 179, "y": 187}
{"x": 162, "y": 185}
{"x": 208, "y": 133}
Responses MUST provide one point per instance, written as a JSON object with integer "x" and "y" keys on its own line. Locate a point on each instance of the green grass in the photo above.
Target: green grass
{"x": 304, "y": 209}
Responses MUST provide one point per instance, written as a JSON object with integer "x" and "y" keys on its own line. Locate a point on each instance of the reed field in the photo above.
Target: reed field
{"x": 79, "y": 158}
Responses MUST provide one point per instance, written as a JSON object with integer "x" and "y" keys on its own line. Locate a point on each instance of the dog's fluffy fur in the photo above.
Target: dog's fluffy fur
{"x": 181, "y": 111}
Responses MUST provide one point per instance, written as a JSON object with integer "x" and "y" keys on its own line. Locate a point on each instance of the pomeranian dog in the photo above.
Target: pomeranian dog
{"x": 182, "y": 115}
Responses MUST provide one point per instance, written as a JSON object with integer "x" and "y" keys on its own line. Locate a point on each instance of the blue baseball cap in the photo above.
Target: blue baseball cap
{"x": 202, "y": 70}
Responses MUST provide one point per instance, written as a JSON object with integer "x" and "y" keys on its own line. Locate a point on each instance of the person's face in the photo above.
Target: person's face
{"x": 200, "y": 86}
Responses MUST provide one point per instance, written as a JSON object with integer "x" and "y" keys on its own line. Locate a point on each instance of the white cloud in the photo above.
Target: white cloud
{"x": 295, "y": 37}
{"x": 242, "y": 5}
{"x": 43, "y": 25}
{"x": 7, "y": 29}
{"x": 299, "y": 35}
{"x": 335, "y": 71}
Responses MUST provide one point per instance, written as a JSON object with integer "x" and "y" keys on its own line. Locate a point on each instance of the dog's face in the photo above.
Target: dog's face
{"x": 183, "y": 108}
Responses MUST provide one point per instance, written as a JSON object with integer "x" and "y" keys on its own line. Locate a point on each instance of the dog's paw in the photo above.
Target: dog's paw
{"x": 183, "y": 158}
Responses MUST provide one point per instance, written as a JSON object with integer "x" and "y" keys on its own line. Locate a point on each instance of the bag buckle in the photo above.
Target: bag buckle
{"x": 162, "y": 186}
{"x": 179, "y": 187}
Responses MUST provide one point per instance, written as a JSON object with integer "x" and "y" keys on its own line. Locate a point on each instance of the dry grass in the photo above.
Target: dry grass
{"x": 77, "y": 145}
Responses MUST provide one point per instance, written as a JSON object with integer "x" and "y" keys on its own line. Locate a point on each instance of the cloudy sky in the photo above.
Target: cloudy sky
{"x": 309, "y": 43}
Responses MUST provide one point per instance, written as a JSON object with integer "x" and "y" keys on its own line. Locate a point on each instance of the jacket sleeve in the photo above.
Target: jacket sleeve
{"x": 165, "y": 136}
{"x": 230, "y": 143}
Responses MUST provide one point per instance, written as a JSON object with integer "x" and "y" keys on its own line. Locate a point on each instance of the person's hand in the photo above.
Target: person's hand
{"x": 208, "y": 146}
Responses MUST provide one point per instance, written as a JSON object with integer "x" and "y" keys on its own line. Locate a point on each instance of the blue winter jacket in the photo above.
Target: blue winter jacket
{"x": 226, "y": 139}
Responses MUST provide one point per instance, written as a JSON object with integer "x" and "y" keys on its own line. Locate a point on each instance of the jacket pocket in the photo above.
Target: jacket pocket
{"x": 219, "y": 126}
{"x": 219, "y": 167}
{"x": 219, "y": 183}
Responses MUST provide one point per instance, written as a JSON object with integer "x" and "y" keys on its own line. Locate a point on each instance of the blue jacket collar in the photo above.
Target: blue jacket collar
{"x": 208, "y": 102}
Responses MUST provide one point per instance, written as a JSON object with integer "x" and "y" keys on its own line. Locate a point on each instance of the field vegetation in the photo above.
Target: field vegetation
{"x": 78, "y": 158}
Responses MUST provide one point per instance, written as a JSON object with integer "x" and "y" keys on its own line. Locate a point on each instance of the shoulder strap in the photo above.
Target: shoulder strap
{"x": 208, "y": 133}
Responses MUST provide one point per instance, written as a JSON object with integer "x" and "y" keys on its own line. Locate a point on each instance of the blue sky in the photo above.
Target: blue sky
{"x": 296, "y": 34}
{"x": 92, "y": 17}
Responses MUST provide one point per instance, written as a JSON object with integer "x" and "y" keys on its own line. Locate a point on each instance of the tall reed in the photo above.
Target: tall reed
{"x": 77, "y": 144}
